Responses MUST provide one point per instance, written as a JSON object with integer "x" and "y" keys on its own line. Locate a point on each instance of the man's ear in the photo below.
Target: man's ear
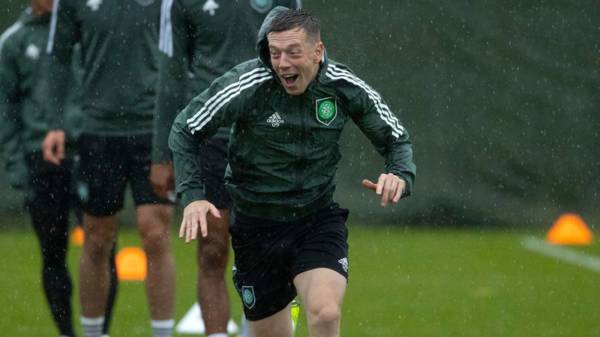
{"x": 319, "y": 50}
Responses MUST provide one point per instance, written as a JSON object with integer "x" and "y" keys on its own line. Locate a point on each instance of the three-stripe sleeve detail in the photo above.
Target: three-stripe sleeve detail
{"x": 336, "y": 73}
{"x": 224, "y": 96}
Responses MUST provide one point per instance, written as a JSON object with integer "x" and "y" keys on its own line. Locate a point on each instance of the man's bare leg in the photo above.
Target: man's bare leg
{"x": 277, "y": 325}
{"x": 322, "y": 291}
{"x": 94, "y": 263}
{"x": 153, "y": 225}
{"x": 213, "y": 252}
{"x": 94, "y": 270}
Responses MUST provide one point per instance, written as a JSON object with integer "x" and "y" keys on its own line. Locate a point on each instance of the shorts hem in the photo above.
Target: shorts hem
{"x": 299, "y": 271}
{"x": 263, "y": 315}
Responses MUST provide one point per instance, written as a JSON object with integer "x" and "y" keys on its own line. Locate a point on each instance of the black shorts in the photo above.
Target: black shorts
{"x": 214, "y": 163}
{"x": 106, "y": 164}
{"x": 269, "y": 254}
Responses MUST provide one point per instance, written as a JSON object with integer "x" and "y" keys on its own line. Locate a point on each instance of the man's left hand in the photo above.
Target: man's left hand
{"x": 389, "y": 186}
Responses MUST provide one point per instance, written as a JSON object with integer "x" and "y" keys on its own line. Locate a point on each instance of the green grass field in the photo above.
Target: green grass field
{"x": 404, "y": 282}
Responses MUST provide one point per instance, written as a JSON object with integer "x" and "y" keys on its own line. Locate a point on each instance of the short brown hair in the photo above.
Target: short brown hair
{"x": 297, "y": 18}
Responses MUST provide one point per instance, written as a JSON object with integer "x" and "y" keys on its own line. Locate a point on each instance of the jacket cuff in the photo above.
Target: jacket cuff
{"x": 191, "y": 195}
{"x": 409, "y": 183}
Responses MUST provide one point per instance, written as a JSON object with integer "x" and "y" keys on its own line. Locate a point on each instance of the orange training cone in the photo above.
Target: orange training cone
{"x": 77, "y": 236}
{"x": 131, "y": 264}
{"x": 570, "y": 229}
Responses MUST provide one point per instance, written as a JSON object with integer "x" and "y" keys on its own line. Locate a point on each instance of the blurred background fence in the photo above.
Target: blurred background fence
{"x": 501, "y": 98}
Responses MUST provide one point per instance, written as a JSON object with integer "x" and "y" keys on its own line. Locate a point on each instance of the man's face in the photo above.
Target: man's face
{"x": 41, "y": 7}
{"x": 295, "y": 59}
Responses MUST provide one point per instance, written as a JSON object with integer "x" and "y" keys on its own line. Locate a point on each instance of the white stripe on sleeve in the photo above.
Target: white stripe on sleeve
{"x": 216, "y": 102}
{"x": 9, "y": 32}
{"x": 165, "y": 39}
{"x": 335, "y": 72}
{"x": 52, "y": 33}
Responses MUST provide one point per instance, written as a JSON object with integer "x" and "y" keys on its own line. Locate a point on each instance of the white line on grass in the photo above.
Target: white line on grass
{"x": 561, "y": 253}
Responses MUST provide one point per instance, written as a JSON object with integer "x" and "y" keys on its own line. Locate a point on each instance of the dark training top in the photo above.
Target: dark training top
{"x": 284, "y": 150}
{"x": 119, "y": 59}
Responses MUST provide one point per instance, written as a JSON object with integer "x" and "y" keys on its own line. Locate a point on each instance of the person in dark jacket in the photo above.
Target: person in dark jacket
{"x": 23, "y": 92}
{"x": 120, "y": 69}
{"x": 287, "y": 110}
{"x": 198, "y": 44}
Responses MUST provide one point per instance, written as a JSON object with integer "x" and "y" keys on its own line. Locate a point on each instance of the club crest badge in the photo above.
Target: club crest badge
{"x": 248, "y": 296}
{"x": 261, "y": 6}
{"x": 210, "y": 7}
{"x": 94, "y": 5}
{"x": 326, "y": 110}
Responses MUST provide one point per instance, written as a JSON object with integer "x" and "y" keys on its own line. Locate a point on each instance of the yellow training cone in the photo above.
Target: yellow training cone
{"x": 131, "y": 264}
{"x": 570, "y": 229}
{"x": 77, "y": 236}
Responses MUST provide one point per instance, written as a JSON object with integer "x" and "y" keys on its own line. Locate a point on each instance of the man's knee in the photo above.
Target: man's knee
{"x": 324, "y": 315}
{"x": 155, "y": 240}
{"x": 98, "y": 245}
{"x": 153, "y": 224}
{"x": 213, "y": 257}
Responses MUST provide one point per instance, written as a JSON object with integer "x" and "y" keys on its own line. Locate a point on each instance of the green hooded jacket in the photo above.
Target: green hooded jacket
{"x": 24, "y": 93}
{"x": 199, "y": 43}
{"x": 283, "y": 150}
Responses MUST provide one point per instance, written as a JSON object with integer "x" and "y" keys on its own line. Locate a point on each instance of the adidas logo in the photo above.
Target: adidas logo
{"x": 275, "y": 120}
{"x": 344, "y": 263}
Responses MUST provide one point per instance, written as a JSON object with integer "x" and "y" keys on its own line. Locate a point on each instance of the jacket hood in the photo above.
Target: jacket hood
{"x": 262, "y": 44}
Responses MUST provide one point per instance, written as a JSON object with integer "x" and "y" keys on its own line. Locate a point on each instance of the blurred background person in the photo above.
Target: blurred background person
{"x": 119, "y": 54}
{"x": 23, "y": 91}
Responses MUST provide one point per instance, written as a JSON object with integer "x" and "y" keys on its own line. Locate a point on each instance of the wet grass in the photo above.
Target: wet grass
{"x": 404, "y": 282}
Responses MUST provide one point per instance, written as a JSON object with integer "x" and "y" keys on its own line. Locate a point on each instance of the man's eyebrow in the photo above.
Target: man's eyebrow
{"x": 292, "y": 46}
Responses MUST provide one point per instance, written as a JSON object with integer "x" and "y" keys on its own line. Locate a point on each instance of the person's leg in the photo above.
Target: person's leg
{"x": 153, "y": 220}
{"x": 94, "y": 269}
{"x": 153, "y": 225}
{"x": 213, "y": 250}
{"x": 277, "y": 325}
{"x": 100, "y": 186}
{"x": 48, "y": 206}
{"x": 321, "y": 269}
{"x": 113, "y": 280}
{"x": 212, "y": 261}
{"x": 321, "y": 291}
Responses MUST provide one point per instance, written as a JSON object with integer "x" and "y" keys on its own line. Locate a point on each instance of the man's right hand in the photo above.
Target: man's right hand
{"x": 53, "y": 146}
{"x": 194, "y": 216}
{"x": 162, "y": 178}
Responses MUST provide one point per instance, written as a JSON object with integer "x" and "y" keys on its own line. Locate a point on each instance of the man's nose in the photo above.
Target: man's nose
{"x": 284, "y": 61}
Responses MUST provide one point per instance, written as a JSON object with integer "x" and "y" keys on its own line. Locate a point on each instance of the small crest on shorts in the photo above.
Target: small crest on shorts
{"x": 83, "y": 191}
{"x": 326, "y": 110}
{"x": 248, "y": 296}
{"x": 261, "y": 6}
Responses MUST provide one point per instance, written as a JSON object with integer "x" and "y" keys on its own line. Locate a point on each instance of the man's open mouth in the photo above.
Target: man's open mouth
{"x": 289, "y": 79}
